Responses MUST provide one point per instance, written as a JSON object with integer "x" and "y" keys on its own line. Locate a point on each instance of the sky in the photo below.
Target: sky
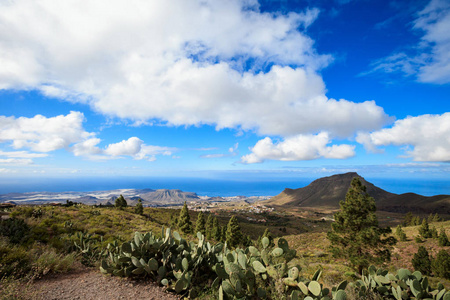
{"x": 238, "y": 89}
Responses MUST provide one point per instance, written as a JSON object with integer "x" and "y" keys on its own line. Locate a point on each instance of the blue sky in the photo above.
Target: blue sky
{"x": 224, "y": 89}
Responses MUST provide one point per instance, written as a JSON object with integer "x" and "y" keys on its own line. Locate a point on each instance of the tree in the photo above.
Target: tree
{"x": 233, "y": 233}
{"x": 443, "y": 239}
{"x": 408, "y": 219}
{"x": 209, "y": 226}
{"x": 216, "y": 231}
{"x": 436, "y": 218}
{"x": 223, "y": 233}
{"x": 139, "y": 209}
{"x": 421, "y": 261}
{"x": 400, "y": 233}
{"x": 424, "y": 229}
{"x": 184, "y": 220}
{"x": 355, "y": 234}
{"x": 441, "y": 265}
{"x": 200, "y": 224}
{"x": 121, "y": 202}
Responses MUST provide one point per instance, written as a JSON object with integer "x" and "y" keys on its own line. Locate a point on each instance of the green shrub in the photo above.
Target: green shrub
{"x": 47, "y": 260}
{"x": 14, "y": 260}
{"x": 16, "y": 230}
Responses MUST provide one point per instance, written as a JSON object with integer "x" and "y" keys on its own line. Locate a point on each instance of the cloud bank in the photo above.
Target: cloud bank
{"x": 221, "y": 63}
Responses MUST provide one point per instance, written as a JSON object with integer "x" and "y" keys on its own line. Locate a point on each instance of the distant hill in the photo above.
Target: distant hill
{"x": 326, "y": 193}
{"x": 416, "y": 203}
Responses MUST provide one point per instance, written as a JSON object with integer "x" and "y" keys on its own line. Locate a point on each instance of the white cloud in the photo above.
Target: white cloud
{"x": 16, "y": 161}
{"x": 428, "y": 135}
{"x": 87, "y": 147}
{"x": 431, "y": 63}
{"x": 22, "y": 154}
{"x": 180, "y": 62}
{"x": 300, "y": 147}
{"x": 133, "y": 147}
{"x": 434, "y": 20}
{"x": 130, "y": 147}
{"x": 42, "y": 134}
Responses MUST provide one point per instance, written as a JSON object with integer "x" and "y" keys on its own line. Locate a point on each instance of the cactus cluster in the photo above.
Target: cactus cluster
{"x": 170, "y": 260}
{"x": 89, "y": 247}
{"x": 403, "y": 285}
{"x": 186, "y": 267}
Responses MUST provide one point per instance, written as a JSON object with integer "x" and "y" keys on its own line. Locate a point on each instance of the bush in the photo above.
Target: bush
{"x": 16, "y": 230}
{"x": 441, "y": 265}
{"x": 47, "y": 260}
{"x": 14, "y": 260}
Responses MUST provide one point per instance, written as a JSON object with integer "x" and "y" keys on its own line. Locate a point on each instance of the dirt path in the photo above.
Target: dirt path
{"x": 91, "y": 284}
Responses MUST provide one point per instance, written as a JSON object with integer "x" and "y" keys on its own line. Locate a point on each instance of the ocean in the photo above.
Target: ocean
{"x": 210, "y": 187}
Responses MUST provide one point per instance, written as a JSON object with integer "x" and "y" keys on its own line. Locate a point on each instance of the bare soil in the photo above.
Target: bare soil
{"x": 84, "y": 283}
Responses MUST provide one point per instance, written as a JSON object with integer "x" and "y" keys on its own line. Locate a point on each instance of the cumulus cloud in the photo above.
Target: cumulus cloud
{"x": 42, "y": 134}
{"x": 300, "y": 147}
{"x": 428, "y": 135}
{"x": 222, "y": 63}
{"x": 133, "y": 147}
{"x": 431, "y": 62}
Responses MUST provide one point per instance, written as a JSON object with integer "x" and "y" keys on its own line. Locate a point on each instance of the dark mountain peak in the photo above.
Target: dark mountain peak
{"x": 326, "y": 192}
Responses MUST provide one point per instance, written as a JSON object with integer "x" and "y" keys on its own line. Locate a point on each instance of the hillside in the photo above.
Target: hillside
{"x": 325, "y": 192}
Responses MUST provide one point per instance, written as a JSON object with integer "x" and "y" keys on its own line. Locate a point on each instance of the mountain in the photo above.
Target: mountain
{"x": 325, "y": 192}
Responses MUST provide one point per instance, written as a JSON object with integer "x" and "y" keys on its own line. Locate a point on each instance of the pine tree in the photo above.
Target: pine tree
{"x": 408, "y": 219}
{"x": 424, "y": 229}
{"x": 441, "y": 265}
{"x": 433, "y": 232}
{"x": 355, "y": 233}
{"x": 216, "y": 232}
{"x": 421, "y": 261}
{"x": 200, "y": 224}
{"x": 139, "y": 209}
{"x": 209, "y": 226}
{"x": 233, "y": 233}
{"x": 443, "y": 239}
{"x": 400, "y": 233}
{"x": 436, "y": 218}
{"x": 416, "y": 221}
{"x": 184, "y": 220}
{"x": 430, "y": 218}
{"x": 120, "y": 202}
{"x": 223, "y": 234}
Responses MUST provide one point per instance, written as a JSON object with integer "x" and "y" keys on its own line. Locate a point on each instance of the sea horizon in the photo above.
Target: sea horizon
{"x": 213, "y": 187}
